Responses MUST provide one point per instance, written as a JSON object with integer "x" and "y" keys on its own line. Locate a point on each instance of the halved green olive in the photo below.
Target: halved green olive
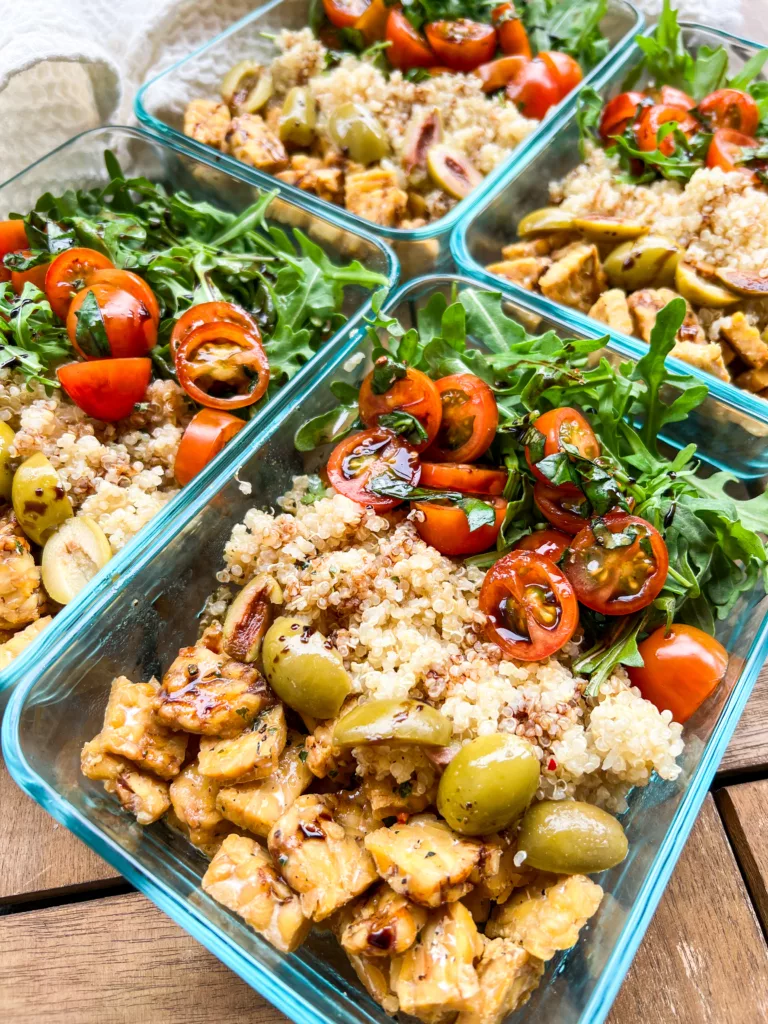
{"x": 425, "y": 129}
{"x": 605, "y": 230}
{"x": 647, "y": 261}
{"x": 569, "y": 837}
{"x": 6, "y": 473}
{"x": 743, "y": 282}
{"x": 246, "y": 87}
{"x": 249, "y": 616}
{"x": 702, "y": 291}
{"x": 393, "y": 721}
{"x": 39, "y": 500}
{"x": 303, "y": 669}
{"x": 544, "y": 221}
{"x": 358, "y": 133}
{"x": 488, "y": 784}
{"x": 452, "y": 171}
{"x": 298, "y": 117}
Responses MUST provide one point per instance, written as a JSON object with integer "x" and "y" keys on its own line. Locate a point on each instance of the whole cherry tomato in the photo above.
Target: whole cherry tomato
{"x": 565, "y": 70}
{"x": 461, "y": 45}
{"x": 344, "y": 13}
{"x": 415, "y": 394}
{"x": 534, "y": 90}
{"x": 731, "y": 108}
{"x": 563, "y": 426}
{"x": 513, "y": 39}
{"x": 653, "y": 119}
{"x": 618, "y": 112}
{"x": 36, "y": 275}
{"x": 531, "y": 606}
{"x": 208, "y": 432}
{"x": 13, "y": 238}
{"x": 565, "y": 507}
{"x": 222, "y": 366}
{"x": 361, "y": 457}
{"x": 498, "y": 73}
{"x": 550, "y": 543}
{"x": 106, "y": 389}
{"x": 446, "y": 527}
{"x": 457, "y": 476}
{"x": 726, "y": 151}
{"x": 408, "y": 48}
{"x": 124, "y": 327}
{"x": 69, "y": 273}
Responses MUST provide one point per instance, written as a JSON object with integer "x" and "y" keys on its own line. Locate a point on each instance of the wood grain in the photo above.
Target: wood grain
{"x": 38, "y": 857}
{"x": 745, "y": 813}
{"x": 748, "y": 749}
{"x": 704, "y": 959}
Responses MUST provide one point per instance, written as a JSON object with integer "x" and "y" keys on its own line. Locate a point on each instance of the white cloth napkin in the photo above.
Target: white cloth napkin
{"x": 69, "y": 65}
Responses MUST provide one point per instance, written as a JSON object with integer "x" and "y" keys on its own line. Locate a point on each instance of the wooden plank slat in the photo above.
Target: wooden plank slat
{"x": 745, "y": 813}
{"x": 704, "y": 959}
{"x": 38, "y": 857}
{"x": 748, "y": 749}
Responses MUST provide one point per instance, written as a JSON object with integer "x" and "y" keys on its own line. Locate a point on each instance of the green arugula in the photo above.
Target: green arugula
{"x": 31, "y": 337}
{"x": 571, "y": 26}
{"x": 478, "y": 512}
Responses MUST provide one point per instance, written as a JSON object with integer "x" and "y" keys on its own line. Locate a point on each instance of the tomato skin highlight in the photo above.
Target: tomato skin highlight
{"x": 69, "y": 274}
{"x": 461, "y": 476}
{"x": 446, "y": 527}
{"x": 106, "y": 389}
{"x": 725, "y": 150}
{"x": 344, "y": 13}
{"x": 682, "y": 667}
{"x": 618, "y": 112}
{"x": 461, "y": 45}
{"x": 731, "y": 108}
{"x": 537, "y": 591}
{"x": 13, "y": 237}
{"x": 631, "y": 578}
{"x": 551, "y": 544}
{"x": 534, "y": 90}
{"x": 497, "y": 74}
{"x": 513, "y": 39}
{"x": 207, "y": 433}
{"x": 653, "y": 118}
{"x": 565, "y": 70}
{"x": 563, "y": 425}
{"x": 131, "y": 331}
{"x": 669, "y": 96}
{"x": 469, "y": 420}
{"x": 379, "y": 452}
{"x": 408, "y": 49}
{"x": 194, "y": 361}
{"x": 132, "y": 283}
{"x": 373, "y": 21}
{"x": 416, "y": 394}
{"x": 35, "y": 276}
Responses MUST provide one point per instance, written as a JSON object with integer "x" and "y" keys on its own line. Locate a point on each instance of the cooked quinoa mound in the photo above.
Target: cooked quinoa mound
{"x": 406, "y": 621}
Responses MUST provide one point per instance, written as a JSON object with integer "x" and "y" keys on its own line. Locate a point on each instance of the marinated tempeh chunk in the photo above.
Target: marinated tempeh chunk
{"x": 507, "y": 976}
{"x": 524, "y": 270}
{"x": 646, "y": 304}
{"x": 376, "y": 195}
{"x": 612, "y": 309}
{"x": 250, "y": 140}
{"x": 250, "y": 756}
{"x": 193, "y": 797}
{"x": 132, "y": 729}
{"x": 324, "y": 759}
{"x": 707, "y": 357}
{"x": 21, "y": 596}
{"x": 383, "y": 924}
{"x": 207, "y": 121}
{"x": 389, "y": 798}
{"x": 745, "y": 338}
{"x": 576, "y": 279}
{"x": 144, "y": 796}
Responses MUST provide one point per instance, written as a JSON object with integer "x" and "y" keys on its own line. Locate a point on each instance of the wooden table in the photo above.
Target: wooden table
{"x": 78, "y": 946}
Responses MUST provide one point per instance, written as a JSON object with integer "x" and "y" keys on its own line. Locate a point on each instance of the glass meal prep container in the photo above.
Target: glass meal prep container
{"x": 79, "y": 163}
{"x": 160, "y": 106}
{"x": 136, "y": 628}
{"x": 492, "y": 223}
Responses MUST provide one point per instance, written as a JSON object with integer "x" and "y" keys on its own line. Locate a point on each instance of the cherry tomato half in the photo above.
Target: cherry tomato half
{"x": 456, "y": 476}
{"x": 408, "y": 48}
{"x": 653, "y": 118}
{"x": 565, "y": 507}
{"x": 222, "y": 366}
{"x": 671, "y": 97}
{"x": 129, "y": 327}
{"x": 36, "y": 275}
{"x": 513, "y": 39}
{"x": 358, "y": 459}
{"x": 446, "y": 527}
{"x": 208, "y": 432}
{"x": 550, "y": 543}
{"x": 617, "y": 564}
{"x": 69, "y": 273}
{"x": 416, "y": 394}
{"x": 373, "y": 21}
{"x": 618, "y": 112}
{"x": 132, "y": 283}
{"x": 534, "y": 90}
{"x": 564, "y": 426}
{"x": 344, "y": 13}
{"x": 531, "y": 606}
{"x": 731, "y": 108}
{"x": 13, "y": 237}
{"x": 682, "y": 666}
{"x": 498, "y": 73}
{"x": 469, "y": 420}
{"x": 565, "y": 70}
{"x": 209, "y": 313}
{"x": 725, "y": 150}
{"x": 461, "y": 45}
{"x": 106, "y": 389}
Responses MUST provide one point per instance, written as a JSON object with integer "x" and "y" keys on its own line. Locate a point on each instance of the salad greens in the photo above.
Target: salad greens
{"x": 714, "y": 540}
{"x": 188, "y": 252}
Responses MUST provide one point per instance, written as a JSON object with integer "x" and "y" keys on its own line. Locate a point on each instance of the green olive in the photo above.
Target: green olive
{"x": 246, "y": 87}
{"x": 569, "y": 837}
{"x": 451, "y": 171}
{"x": 39, "y": 501}
{"x": 488, "y": 784}
{"x": 545, "y": 220}
{"x": 249, "y": 616}
{"x": 743, "y": 282}
{"x": 358, "y": 133}
{"x": 303, "y": 669}
{"x": 608, "y": 229}
{"x": 393, "y": 721}
{"x": 641, "y": 263}
{"x": 702, "y": 291}
{"x": 6, "y": 473}
{"x": 298, "y": 117}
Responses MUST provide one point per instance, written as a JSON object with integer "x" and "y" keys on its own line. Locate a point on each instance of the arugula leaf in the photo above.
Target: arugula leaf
{"x": 710, "y": 70}
{"x": 386, "y": 371}
{"x": 589, "y": 109}
{"x": 327, "y": 428}
{"x": 571, "y": 26}
{"x": 749, "y": 72}
{"x": 406, "y": 425}
{"x": 30, "y": 335}
{"x": 687, "y": 157}
{"x": 90, "y": 333}
{"x": 478, "y": 512}
{"x": 316, "y": 490}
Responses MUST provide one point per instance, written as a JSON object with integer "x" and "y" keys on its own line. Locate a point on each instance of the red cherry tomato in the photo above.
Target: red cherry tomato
{"x": 222, "y": 366}
{"x": 725, "y": 150}
{"x": 469, "y": 420}
{"x": 128, "y": 325}
{"x": 531, "y": 607}
{"x": 373, "y": 21}
{"x": 550, "y": 543}
{"x": 209, "y": 313}
{"x": 731, "y": 108}
{"x": 668, "y": 96}
{"x": 415, "y": 394}
{"x": 106, "y": 389}
{"x": 559, "y": 427}
{"x": 69, "y": 273}
{"x": 617, "y": 564}
{"x": 513, "y": 39}
{"x": 534, "y": 90}
{"x": 132, "y": 283}
{"x": 13, "y": 237}
{"x": 435, "y": 71}
{"x": 565, "y": 507}
{"x": 446, "y": 527}
{"x": 455, "y": 476}
{"x": 682, "y": 666}
{"x": 344, "y": 13}
{"x": 358, "y": 459}
{"x": 208, "y": 432}
{"x": 36, "y": 275}
{"x": 653, "y": 118}
{"x": 618, "y": 112}
{"x": 408, "y": 48}
{"x": 498, "y": 73}
{"x": 565, "y": 70}
{"x": 461, "y": 45}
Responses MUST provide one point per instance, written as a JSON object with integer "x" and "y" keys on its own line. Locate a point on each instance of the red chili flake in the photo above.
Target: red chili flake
{"x": 551, "y": 764}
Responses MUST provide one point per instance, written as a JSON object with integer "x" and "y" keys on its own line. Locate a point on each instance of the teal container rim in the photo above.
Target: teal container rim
{"x": 435, "y": 229}
{"x": 724, "y": 391}
{"x": 110, "y": 576}
{"x": 253, "y": 972}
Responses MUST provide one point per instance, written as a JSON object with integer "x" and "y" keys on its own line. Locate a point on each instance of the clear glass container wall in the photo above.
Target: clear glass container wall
{"x": 161, "y": 103}
{"x": 138, "y": 628}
